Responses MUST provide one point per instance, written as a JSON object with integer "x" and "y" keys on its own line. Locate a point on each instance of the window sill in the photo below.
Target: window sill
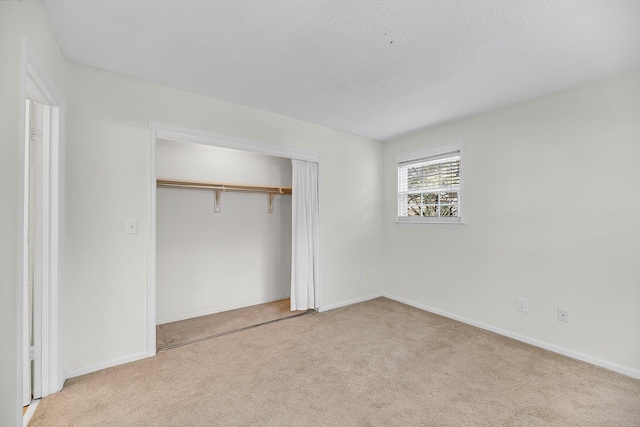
{"x": 431, "y": 222}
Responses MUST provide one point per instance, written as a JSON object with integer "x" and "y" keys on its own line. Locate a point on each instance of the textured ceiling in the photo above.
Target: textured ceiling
{"x": 376, "y": 68}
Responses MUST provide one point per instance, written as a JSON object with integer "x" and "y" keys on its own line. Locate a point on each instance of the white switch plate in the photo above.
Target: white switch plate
{"x": 522, "y": 305}
{"x": 131, "y": 226}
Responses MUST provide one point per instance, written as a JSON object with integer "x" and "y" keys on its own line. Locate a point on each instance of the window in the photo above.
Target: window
{"x": 429, "y": 184}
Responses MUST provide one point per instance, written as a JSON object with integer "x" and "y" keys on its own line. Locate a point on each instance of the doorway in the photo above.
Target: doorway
{"x": 163, "y": 132}
{"x": 41, "y": 254}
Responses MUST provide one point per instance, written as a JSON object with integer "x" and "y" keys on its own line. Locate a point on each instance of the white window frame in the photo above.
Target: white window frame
{"x": 433, "y": 151}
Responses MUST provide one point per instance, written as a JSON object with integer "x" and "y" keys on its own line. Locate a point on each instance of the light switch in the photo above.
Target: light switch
{"x": 132, "y": 226}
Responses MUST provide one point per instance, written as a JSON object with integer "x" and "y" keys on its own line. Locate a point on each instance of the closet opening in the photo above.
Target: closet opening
{"x": 222, "y": 229}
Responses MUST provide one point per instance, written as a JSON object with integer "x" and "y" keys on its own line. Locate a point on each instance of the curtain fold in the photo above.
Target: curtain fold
{"x": 304, "y": 235}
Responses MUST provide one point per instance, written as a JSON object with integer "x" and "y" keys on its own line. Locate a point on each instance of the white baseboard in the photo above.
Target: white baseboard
{"x": 104, "y": 365}
{"x": 30, "y": 411}
{"x": 218, "y": 310}
{"x": 624, "y": 370}
{"x": 346, "y": 303}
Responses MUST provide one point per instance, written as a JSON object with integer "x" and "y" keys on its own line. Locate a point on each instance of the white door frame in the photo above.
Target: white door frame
{"x": 162, "y": 131}
{"x": 26, "y": 268}
{"x": 36, "y": 84}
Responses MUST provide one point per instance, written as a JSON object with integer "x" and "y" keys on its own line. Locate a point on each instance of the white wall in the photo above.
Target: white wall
{"x": 18, "y": 21}
{"x": 210, "y": 262}
{"x": 107, "y": 182}
{"x": 552, "y": 209}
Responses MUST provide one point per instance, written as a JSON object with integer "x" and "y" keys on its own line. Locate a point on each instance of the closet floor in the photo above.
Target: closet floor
{"x": 176, "y": 334}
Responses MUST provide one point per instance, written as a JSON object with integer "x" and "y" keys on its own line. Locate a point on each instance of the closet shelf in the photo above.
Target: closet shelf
{"x": 218, "y": 188}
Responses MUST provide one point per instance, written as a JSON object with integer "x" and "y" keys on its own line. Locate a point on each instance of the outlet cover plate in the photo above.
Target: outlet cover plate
{"x": 522, "y": 305}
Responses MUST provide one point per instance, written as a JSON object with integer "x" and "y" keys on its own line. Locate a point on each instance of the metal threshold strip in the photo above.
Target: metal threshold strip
{"x": 170, "y": 347}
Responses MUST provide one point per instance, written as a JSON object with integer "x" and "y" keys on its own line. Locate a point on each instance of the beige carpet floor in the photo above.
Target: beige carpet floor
{"x": 378, "y": 363}
{"x": 175, "y": 334}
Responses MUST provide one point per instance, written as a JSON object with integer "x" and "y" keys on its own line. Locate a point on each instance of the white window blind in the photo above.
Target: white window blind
{"x": 429, "y": 188}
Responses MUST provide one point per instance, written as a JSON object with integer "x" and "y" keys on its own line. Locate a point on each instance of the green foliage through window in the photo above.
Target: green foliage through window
{"x": 430, "y": 187}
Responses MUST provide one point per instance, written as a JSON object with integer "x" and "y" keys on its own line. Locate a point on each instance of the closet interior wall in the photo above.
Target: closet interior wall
{"x": 209, "y": 262}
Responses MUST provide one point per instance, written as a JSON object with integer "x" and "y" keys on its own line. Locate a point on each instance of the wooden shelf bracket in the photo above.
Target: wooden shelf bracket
{"x": 216, "y": 200}
{"x": 271, "y": 198}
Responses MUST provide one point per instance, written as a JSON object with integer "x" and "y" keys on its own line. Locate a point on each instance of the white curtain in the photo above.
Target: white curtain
{"x": 304, "y": 236}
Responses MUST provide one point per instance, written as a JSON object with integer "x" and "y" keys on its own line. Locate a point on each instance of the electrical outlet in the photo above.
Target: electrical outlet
{"x": 522, "y": 305}
{"x": 359, "y": 277}
{"x": 563, "y": 315}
